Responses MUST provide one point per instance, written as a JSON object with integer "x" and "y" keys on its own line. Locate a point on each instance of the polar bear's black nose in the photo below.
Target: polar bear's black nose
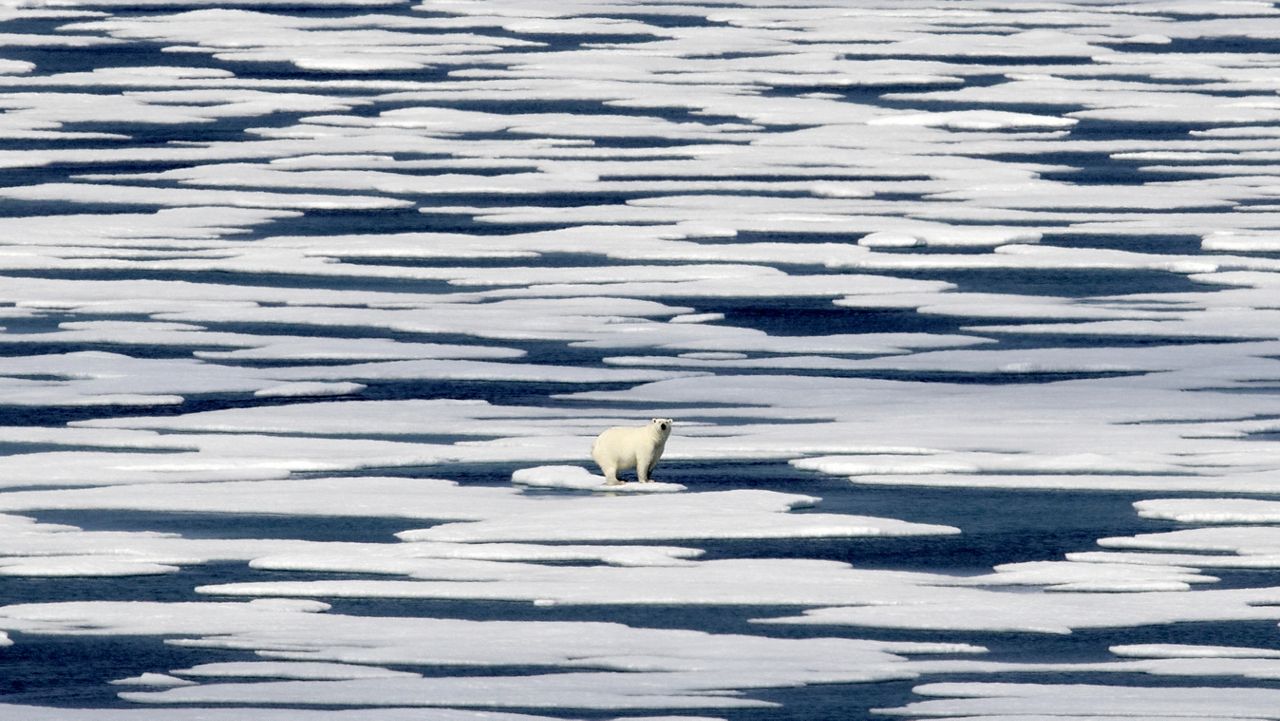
{"x": 664, "y": 426}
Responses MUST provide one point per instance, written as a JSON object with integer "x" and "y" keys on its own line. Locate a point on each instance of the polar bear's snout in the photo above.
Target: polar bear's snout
{"x": 622, "y": 448}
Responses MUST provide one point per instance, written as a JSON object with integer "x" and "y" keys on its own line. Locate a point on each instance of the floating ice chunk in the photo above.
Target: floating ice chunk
{"x": 1209, "y": 114}
{"x": 714, "y": 356}
{"x": 1095, "y": 577}
{"x": 58, "y": 439}
{"x": 354, "y": 349}
{"x": 808, "y": 363}
{"x": 15, "y": 67}
{"x": 355, "y": 179}
{"x": 1173, "y": 650}
{"x": 338, "y": 417}
{"x": 995, "y": 305}
{"x": 51, "y": 550}
{"x": 828, "y": 189}
{"x": 580, "y": 479}
{"x": 1148, "y": 39}
{"x": 516, "y": 276}
{"x": 81, "y": 566}
{"x": 180, "y": 227}
{"x": 168, "y": 106}
{"x": 1209, "y": 666}
{"x": 197, "y": 3}
{"x": 432, "y": 559}
{"x": 288, "y": 670}
{"x": 889, "y": 239}
{"x": 1211, "y": 510}
{"x": 465, "y": 369}
{"x": 663, "y": 668}
{"x": 977, "y": 120}
{"x": 1241, "y": 241}
{"x": 492, "y": 514}
{"x": 1036, "y": 701}
{"x": 94, "y": 193}
{"x": 913, "y": 235}
{"x": 724, "y": 514}
{"x": 158, "y": 680}
{"x": 1239, "y": 323}
{"x": 97, "y": 378}
{"x": 1185, "y": 560}
{"x": 1247, "y": 541}
{"x": 1079, "y": 482}
{"x": 285, "y": 605}
{"x": 258, "y": 713}
{"x": 697, "y": 318}
{"x": 978, "y": 462}
{"x": 386, "y": 497}
{"x": 533, "y": 318}
{"x": 741, "y": 582}
{"x": 551, "y": 691}
{"x": 303, "y": 390}
{"x": 381, "y": 42}
{"x": 1056, "y": 613}
{"x": 739, "y": 339}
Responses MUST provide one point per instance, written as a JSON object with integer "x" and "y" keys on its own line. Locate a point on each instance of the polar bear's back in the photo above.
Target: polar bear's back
{"x": 620, "y": 443}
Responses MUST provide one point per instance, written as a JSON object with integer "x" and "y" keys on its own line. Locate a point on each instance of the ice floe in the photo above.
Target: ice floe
{"x": 1010, "y": 700}
{"x": 662, "y": 668}
{"x": 1215, "y": 510}
{"x": 1056, "y": 613}
{"x": 579, "y": 478}
{"x": 234, "y": 713}
{"x": 492, "y": 514}
{"x": 153, "y": 680}
{"x": 314, "y": 389}
{"x": 742, "y": 582}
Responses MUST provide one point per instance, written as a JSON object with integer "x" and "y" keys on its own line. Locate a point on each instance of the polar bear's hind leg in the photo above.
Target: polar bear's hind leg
{"x": 608, "y": 465}
{"x": 610, "y": 476}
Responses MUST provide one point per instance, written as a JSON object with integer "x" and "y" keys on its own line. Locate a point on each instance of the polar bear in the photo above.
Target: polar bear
{"x": 623, "y": 447}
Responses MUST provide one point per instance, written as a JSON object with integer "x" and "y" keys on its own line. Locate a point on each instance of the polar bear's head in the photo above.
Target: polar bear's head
{"x": 661, "y": 426}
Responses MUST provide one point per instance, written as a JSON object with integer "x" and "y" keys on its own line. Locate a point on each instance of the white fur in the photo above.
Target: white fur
{"x": 624, "y": 447}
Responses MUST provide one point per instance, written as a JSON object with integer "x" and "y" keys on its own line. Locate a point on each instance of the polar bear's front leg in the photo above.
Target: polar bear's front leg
{"x": 648, "y": 472}
{"x": 644, "y": 466}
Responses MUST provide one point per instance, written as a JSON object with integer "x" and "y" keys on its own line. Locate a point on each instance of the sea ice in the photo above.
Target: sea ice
{"x": 154, "y": 680}
{"x": 1010, "y": 700}
{"x": 301, "y": 670}
{"x": 604, "y": 665}
{"x": 1211, "y": 510}
{"x": 309, "y": 390}
{"x": 1057, "y": 613}
{"x": 259, "y": 713}
{"x": 581, "y": 479}
{"x": 977, "y": 120}
{"x": 743, "y": 582}
{"x": 502, "y": 193}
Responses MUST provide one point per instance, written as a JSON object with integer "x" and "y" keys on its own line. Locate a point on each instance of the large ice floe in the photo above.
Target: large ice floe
{"x": 967, "y": 314}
